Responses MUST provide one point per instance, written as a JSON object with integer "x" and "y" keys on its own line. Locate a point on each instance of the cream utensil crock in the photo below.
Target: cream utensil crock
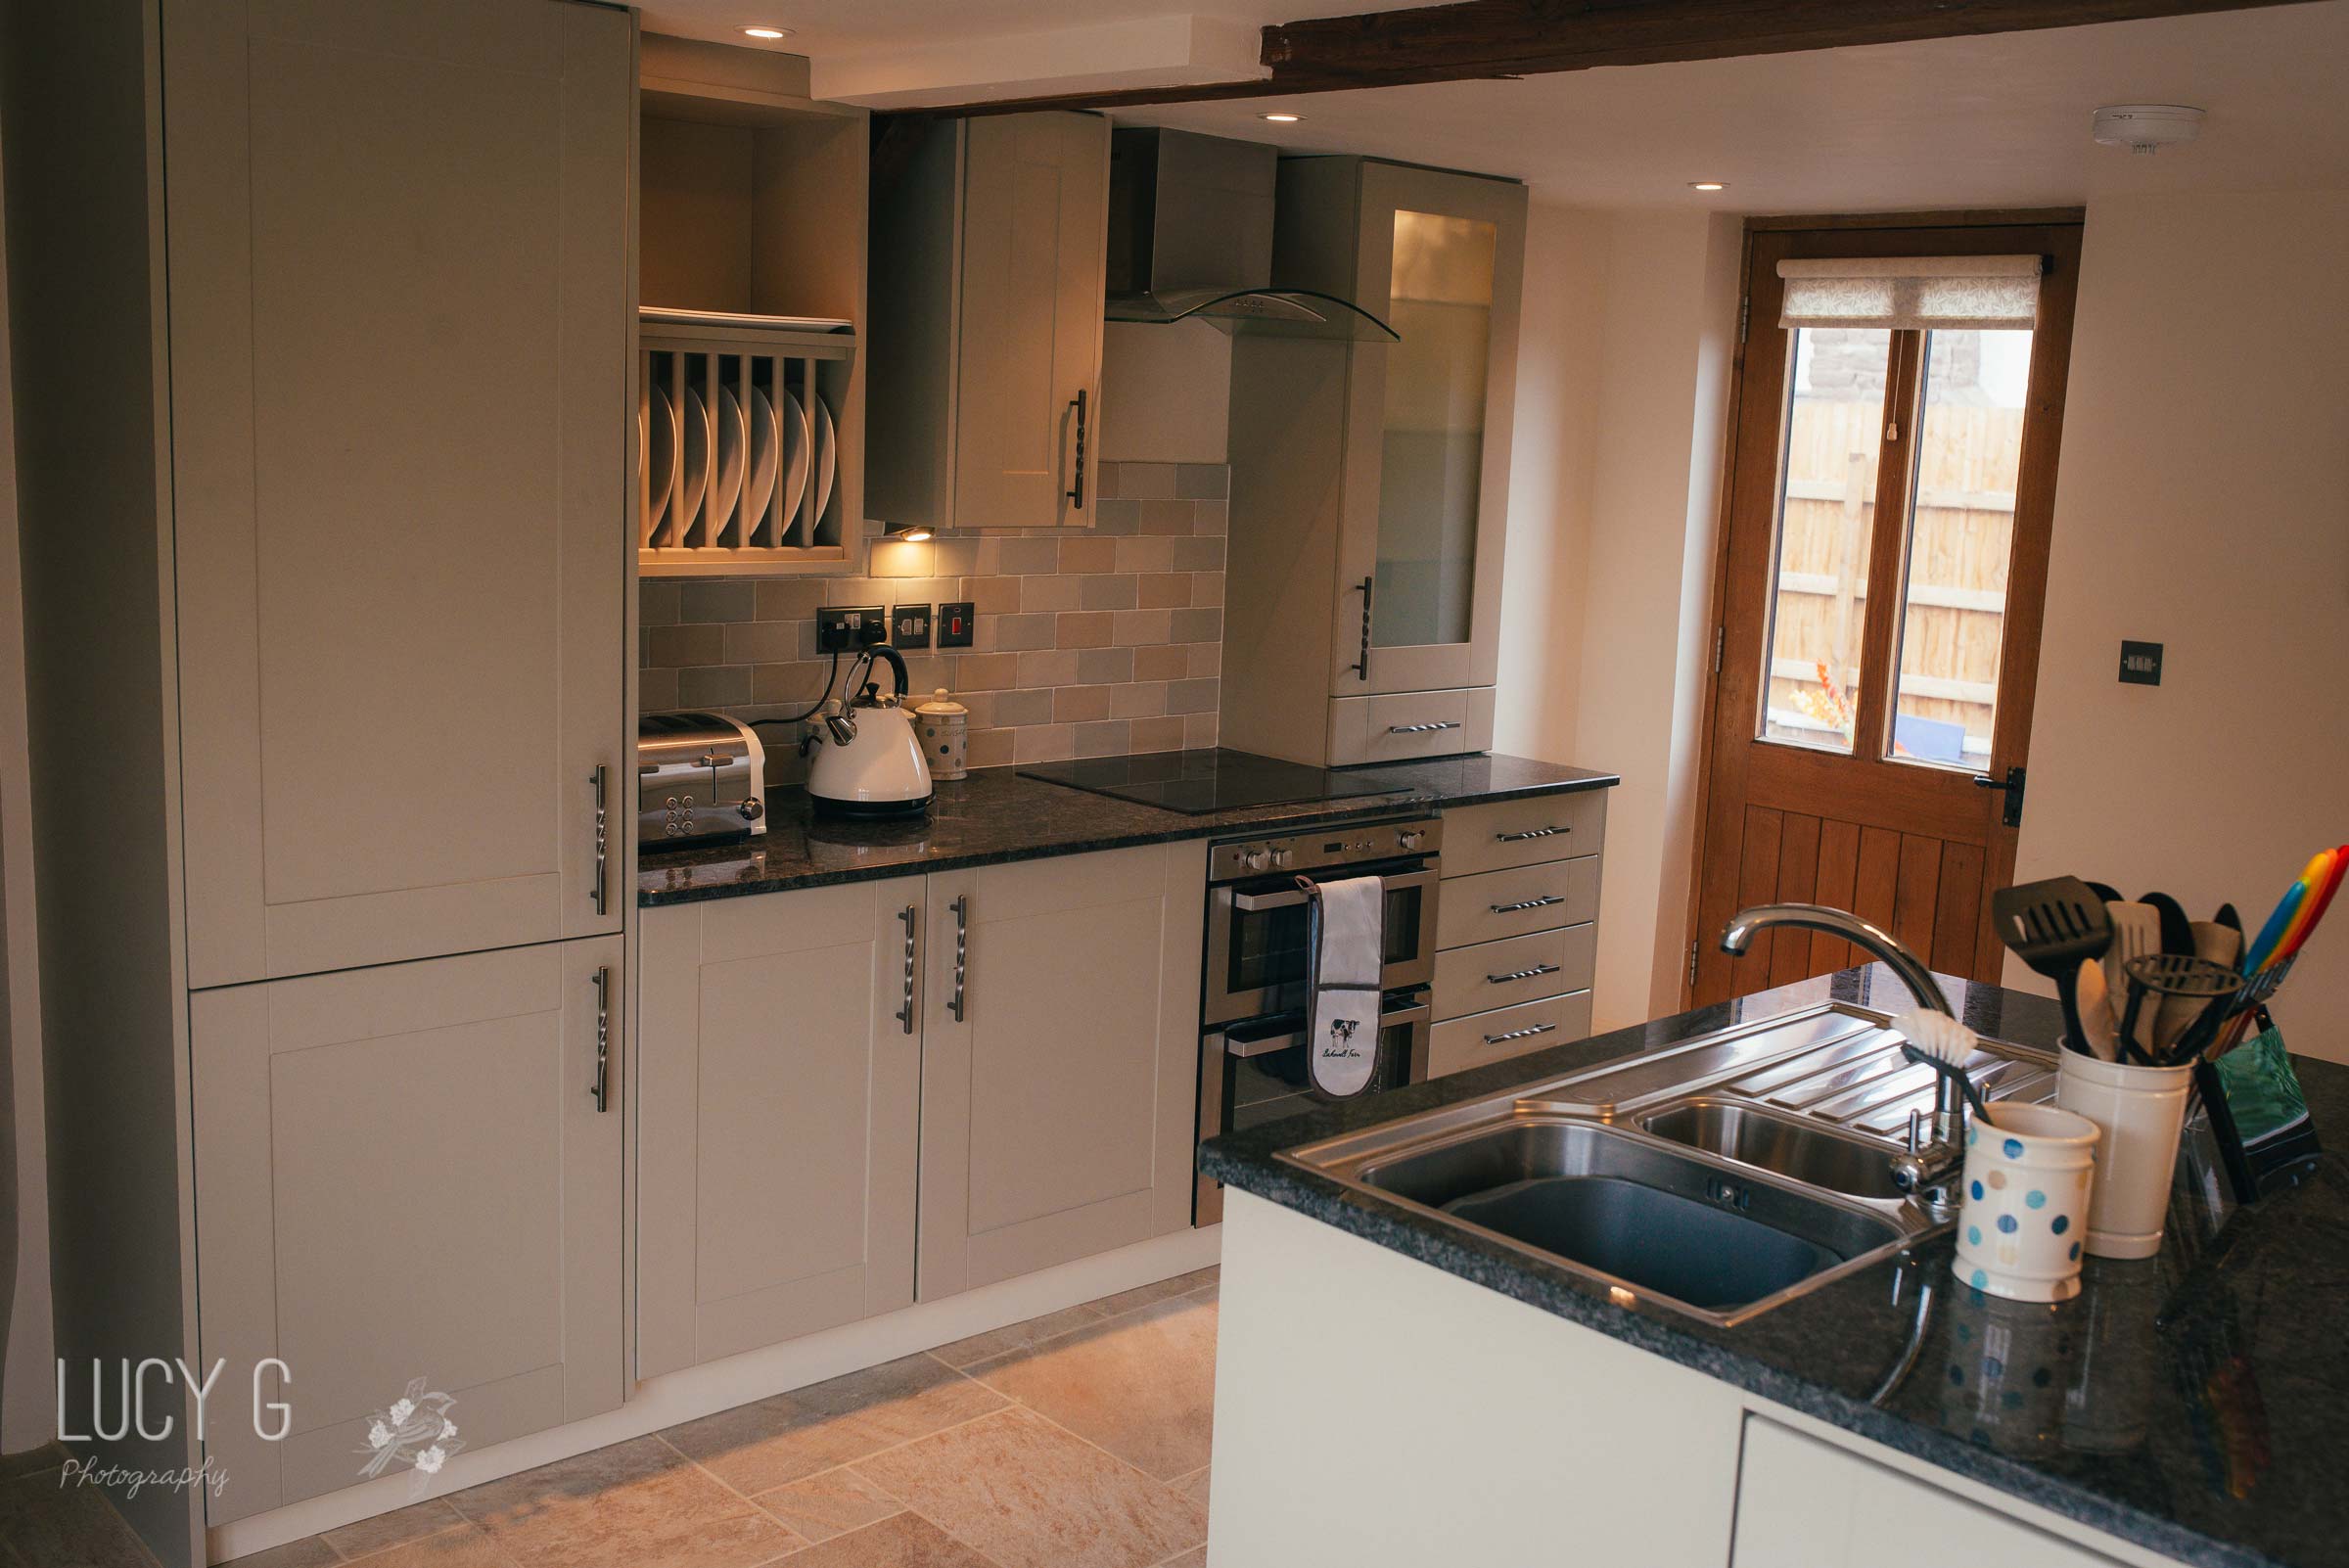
{"x": 2141, "y": 1110}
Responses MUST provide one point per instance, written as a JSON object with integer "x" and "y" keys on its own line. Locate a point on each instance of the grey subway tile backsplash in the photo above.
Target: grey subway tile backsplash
{"x": 1085, "y": 644}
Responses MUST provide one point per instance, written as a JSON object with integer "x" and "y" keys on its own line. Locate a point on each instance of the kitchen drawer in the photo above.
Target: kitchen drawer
{"x": 1506, "y": 833}
{"x": 1407, "y": 724}
{"x": 1513, "y": 903}
{"x": 1494, "y": 1036}
{"x": 1494, "y": 973}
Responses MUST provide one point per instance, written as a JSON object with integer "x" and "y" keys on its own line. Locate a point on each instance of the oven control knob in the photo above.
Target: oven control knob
{"x": 1255, "y": 860}
{"x": 1281, "y": 859}
{"x": 1410, "y": 838}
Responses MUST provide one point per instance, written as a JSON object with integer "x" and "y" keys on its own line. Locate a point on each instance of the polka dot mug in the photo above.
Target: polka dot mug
{"x": 2028, "y": 1168}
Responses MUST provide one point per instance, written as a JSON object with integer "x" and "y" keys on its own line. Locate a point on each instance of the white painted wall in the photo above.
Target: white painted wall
{"x": 1623, "y": 370}
{"x": 1166, "y": 392}
{"x": 2203, "y": 502}
{"x": 27, "y": 1405}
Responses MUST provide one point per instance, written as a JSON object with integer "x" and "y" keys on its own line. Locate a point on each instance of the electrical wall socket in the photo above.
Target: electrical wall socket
{"x": 841, "y": 628}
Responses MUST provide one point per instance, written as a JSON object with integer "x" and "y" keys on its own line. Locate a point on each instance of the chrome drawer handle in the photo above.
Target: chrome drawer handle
{"x": 602, "y": 1039}
{"x": 1519, "y": 1033}
{"x": 1521, "y": 973}
{"x": 1542, "y": 902}
{"x": 603, "y": 834}
{"x": 1361, "y": 664}
{"x": 962, "y": 951}
{"x": 1535, "y": 833}
{"x": 1421, "y": 729}
{"x": 905, "y": 1013}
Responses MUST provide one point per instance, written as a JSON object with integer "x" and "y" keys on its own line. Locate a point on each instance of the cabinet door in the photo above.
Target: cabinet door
{"x": 1441, "y": 257}
{"x": 1034, "y": 248}
{"x": 1060, "y": 1060}
{"x": 1804, "y": 1504}
{"x": 779, "y": 1065}
{"x": 408, "y": 1172}
{"x": 400, "y": 349}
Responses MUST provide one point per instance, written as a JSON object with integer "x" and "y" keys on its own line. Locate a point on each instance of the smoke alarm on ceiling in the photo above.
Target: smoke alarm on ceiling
{"x": 2147, "y": 127}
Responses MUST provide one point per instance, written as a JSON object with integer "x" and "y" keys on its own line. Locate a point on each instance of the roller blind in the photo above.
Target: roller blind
{"x": 1912, "y": 292}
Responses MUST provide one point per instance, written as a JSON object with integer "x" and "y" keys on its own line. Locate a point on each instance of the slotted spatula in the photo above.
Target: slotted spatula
{"x": 2053, "y": 925}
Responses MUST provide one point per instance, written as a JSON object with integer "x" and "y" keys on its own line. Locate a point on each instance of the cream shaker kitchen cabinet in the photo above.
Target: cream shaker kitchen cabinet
{"x": 1371, "y": 479}
{"x": 990, "y": 253}
{"x": 399, "y": 356}
{"x": 409, "y": 1171}
{"x": 1060, "y": 1059}
{"x": 779, "y": 1081}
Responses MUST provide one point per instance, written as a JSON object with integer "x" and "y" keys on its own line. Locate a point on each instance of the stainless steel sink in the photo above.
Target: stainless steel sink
{"x": 1718, "y": 1179}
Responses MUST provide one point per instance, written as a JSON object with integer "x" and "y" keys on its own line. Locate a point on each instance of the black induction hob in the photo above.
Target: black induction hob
{"x": 1196, "y": 783}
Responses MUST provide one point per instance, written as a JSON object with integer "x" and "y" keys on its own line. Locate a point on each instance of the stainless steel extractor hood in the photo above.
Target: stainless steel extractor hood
{"x": 1191, "y": 238}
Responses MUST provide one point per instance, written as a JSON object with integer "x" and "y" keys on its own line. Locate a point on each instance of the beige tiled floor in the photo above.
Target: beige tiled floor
{"x": 1075, "y": 1440}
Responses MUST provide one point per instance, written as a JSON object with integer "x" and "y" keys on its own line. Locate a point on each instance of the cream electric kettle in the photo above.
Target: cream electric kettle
{"x": 869, "y": 761}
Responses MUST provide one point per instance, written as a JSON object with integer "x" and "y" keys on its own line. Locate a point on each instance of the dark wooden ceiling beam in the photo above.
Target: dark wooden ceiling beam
{"x": 1477, "y": 40}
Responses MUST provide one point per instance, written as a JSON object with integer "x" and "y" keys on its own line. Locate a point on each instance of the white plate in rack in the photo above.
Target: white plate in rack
{"x": 759, "y": 484}
{"x": 827, "y": 465}
{"x": 725, "y": 473}
{"x": 661, "y": 459}
{"x": 799, "y": 443}
{"x": 696, "y": 478}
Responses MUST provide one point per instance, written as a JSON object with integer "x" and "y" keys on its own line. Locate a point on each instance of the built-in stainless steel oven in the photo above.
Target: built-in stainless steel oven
{"x": 1256, "y": 917}
{"x": 1252, "y": 1057}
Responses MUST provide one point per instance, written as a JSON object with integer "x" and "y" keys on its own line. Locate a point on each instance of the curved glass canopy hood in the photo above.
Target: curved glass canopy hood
{"x": 1269, "y": 312}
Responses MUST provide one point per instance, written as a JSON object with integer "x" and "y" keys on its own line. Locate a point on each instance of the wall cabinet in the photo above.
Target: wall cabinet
{"x": 779, "y": 1054}
{"x": 1370, "y": 480}
{"x": 399, "y": 346}
{"x": 410, "y": 1172}
{"x": 1022, "y": 1045}
{"x": 990, "y": 253}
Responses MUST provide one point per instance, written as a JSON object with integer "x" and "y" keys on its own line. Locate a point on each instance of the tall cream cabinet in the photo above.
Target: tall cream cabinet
{"x": 1371, "y": 479}
{"x": 327, "y": 553}
{"x": 990, "y": 253}
{"x": 858, "y": 1096}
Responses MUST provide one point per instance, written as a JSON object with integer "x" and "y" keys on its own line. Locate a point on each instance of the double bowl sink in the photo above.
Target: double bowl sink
{"x": 1718, "y": 1179}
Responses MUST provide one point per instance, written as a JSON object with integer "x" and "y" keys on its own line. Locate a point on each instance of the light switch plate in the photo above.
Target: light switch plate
{"x": 2141, "y": 663}
{"x": 955, "y": 624}
{"x": 909, "y": 626}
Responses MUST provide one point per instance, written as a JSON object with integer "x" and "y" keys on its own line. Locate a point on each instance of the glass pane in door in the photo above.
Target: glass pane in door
{"x": 1834, "y": 429}
{"x": 1433, "y": 450}
{"x": 1969, "y": 446}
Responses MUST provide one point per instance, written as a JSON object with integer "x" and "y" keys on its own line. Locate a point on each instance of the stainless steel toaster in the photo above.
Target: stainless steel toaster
{"x": 700, "y": 778}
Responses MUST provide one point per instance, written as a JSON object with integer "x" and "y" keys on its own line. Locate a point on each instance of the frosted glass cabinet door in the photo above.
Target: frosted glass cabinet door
{"x": 1441, "y": 258}
{"x": 399, "y": 333}
{"x": 408, "y": 1172}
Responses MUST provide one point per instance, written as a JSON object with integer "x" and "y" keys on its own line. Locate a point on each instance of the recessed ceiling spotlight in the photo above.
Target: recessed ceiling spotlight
{"x": 767, "y": 33}
{"x": 1282, "y": 118}
{"x": 1706, "y": 185}
{"x": 2145, "y": 128}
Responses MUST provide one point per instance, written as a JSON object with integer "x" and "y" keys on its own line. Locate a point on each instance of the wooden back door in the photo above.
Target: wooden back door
{"x": 1885, "y": 574}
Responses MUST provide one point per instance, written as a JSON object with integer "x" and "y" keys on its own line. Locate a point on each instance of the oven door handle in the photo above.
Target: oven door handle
{"x": 1260, "y": 902}
{"x": 1266, "y": 1045}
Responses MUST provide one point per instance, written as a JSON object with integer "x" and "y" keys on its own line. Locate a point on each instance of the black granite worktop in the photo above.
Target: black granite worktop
{"x": 997, "y": 815}
{"x": 2195, "y": 1403}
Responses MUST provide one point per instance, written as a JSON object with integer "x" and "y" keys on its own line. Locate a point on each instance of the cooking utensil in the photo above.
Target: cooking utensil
{"x": 2098, "y": 1027}
{"x": 2209, "y": 989}
{"x": 2263, "y": 946}
{"x": 2105, "y": 891}
{"x": 2313, "y": 907}
{"x": 2177, "y": 929}
{"x": 2136, "y": 932}
{"x": 2219, "y": 945}
{"x": 2052, "y": 925}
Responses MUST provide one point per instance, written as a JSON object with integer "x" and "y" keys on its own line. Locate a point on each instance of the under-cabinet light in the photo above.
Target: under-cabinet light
{"x": 767, "y": 32}
{"x": 1706, "y": 185}
{"x": 1281, "y": 119}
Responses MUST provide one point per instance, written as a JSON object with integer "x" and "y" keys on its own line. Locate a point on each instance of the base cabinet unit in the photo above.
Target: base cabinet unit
{"x": 1059, "y": 1060}
{"x": 409, "y": 1173}
{"x": 1371, "y": 479}
{"x": 1516, "y": 928}
{"x": 990, "y": 264}
{"x": 1805, "y": 1504}
{"x": 779, "y": 1056}
{"x": 1016, "y": 1045}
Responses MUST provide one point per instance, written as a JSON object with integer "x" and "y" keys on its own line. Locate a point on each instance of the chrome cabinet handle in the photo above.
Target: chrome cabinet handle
{"x": 1532, "y": 833}
{"x": 1542, "y": 902}
{"x": 1076, "y": 492}
{"x": 1361, "y": 664}
{"x": 1521, "y": 973}
{"x": 962, "y": 951}
{"x": 1519, "y": 1033}
{"x": 602, "y": 1039}
{"x": 905, "y": 1013}
{"x": 603, "y": 836}
{"x": 1421, "y": 729}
